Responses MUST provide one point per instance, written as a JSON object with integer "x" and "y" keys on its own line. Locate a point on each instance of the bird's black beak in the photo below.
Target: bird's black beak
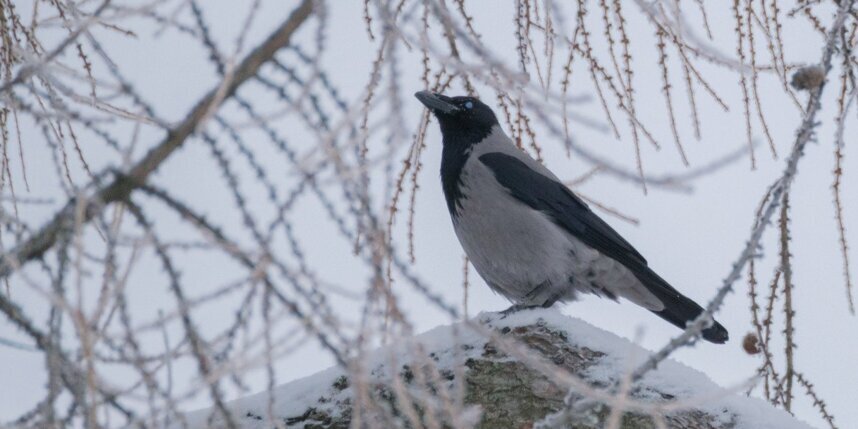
{"x": 436, "y": 102}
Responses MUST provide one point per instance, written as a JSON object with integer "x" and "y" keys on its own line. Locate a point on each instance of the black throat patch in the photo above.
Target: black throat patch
{"x": 457, "y": 150}
{"x": 453, "y": 159}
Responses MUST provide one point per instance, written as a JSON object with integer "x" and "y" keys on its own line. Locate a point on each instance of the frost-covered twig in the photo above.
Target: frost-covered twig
{"x": 804, "y": 134}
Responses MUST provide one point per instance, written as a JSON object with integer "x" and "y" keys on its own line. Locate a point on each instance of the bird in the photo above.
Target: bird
{"x": 529, "y": 236}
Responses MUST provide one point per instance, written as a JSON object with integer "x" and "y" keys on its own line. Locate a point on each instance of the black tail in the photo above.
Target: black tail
{"x": 678, "y": 309}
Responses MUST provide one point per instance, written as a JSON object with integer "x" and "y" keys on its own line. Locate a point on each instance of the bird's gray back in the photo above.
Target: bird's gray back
{"x": 521, "y": 252}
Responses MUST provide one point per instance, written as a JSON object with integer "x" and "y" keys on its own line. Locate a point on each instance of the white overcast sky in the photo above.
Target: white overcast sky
{"x": 690, "y": 239}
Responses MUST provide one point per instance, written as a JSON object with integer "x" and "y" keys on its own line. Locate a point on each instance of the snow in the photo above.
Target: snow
{"x": 621, "y": 355}
{"x": 291, "y": 399}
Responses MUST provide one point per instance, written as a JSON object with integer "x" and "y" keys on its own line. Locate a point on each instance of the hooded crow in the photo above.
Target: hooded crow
{"x": 528, "y": 236}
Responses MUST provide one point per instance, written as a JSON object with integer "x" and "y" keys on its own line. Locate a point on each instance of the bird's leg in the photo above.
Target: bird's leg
{"x": 550, "y": 301}
{"x": 537, "y": 290}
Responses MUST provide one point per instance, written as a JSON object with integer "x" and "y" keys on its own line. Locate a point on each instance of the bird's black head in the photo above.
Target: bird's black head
{"x": 464, "y": 120}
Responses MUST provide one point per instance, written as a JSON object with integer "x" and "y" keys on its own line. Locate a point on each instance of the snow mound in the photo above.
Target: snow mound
{"x": 420, "y": 378}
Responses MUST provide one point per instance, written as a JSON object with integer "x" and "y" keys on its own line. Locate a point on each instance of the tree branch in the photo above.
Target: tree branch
{"x": 119, "y": 189}
{"x": 121, "y": 186}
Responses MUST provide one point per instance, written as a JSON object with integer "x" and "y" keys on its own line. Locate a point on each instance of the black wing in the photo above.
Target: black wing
{"x": 570, "y": 213}
{"x": 565, "y": 208}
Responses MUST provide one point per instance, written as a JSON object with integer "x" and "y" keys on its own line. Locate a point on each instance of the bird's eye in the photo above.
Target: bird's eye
{"x": 469, "y": 105}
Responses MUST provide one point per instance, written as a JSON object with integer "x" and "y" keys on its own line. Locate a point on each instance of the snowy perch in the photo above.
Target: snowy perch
{"x": 501, "y": 391}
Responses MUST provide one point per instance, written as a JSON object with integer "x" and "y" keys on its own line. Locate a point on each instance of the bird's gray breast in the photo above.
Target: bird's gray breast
{"x": 513, "y": 247}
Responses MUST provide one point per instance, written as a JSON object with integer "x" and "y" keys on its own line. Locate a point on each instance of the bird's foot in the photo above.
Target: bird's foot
{"x": 516, "y": 308}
